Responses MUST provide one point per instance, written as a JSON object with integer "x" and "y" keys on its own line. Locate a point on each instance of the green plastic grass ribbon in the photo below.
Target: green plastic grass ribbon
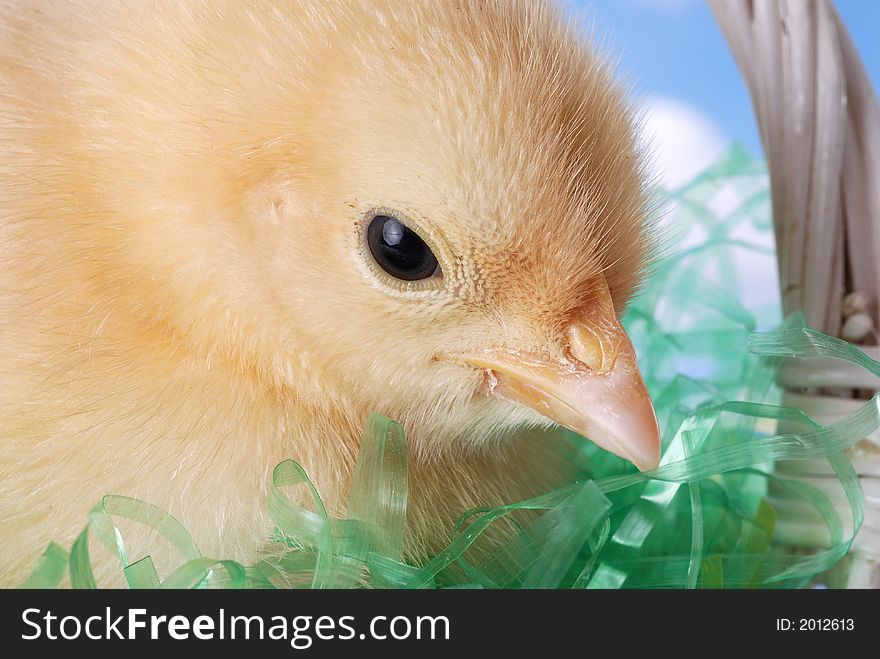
{"x": 49, "y": 569}
{"x": 702, "y": 519}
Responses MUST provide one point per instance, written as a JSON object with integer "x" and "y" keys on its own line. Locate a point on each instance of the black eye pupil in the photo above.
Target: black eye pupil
{"x": 398, "y": 250}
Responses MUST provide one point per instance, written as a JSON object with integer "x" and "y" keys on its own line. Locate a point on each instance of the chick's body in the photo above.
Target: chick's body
{"x": 185, "y": 299}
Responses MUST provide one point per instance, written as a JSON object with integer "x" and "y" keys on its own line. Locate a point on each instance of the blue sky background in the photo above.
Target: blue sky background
{"x": 674, "y": 49}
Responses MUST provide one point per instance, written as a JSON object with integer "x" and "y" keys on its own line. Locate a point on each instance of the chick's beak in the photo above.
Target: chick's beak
{"x": 596, "y": 390}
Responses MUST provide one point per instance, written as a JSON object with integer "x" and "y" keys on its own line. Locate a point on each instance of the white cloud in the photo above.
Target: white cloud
{"x": 683, "y": 140}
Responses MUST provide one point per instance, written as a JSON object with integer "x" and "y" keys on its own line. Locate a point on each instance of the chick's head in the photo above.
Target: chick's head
{"x": 457, "y": 225}
{"x": 437, "y": 215}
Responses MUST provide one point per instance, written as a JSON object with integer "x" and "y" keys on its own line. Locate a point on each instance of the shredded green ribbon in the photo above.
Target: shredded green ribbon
{"x": 700, "y": 520}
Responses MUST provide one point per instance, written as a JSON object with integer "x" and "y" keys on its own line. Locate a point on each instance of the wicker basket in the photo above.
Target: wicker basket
{"x": 820, "y": 127}
{"x": 803, "y": 381}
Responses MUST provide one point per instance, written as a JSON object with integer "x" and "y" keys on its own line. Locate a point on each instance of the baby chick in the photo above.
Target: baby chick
{"x": 230, "y": 230}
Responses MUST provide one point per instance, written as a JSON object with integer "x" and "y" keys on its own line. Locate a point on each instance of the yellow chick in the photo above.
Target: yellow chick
{"x": 230, "y": 230}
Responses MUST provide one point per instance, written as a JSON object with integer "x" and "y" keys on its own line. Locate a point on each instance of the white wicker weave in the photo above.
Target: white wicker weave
{"x": 820, "y": 126}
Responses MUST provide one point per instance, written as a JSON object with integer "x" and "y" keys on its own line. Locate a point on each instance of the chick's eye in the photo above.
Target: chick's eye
{"x": 399, "y": 251}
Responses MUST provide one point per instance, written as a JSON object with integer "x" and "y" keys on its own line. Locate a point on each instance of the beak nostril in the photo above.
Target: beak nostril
{"x": 597, "y": 351}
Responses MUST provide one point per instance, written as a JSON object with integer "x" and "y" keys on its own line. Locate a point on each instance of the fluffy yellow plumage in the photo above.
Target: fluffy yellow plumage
{"x": 186, "y": 297}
